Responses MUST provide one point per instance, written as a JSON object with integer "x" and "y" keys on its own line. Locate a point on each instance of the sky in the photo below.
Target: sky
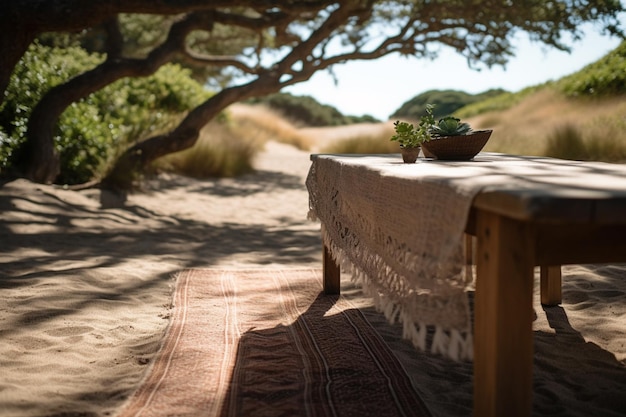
{"x": 380, "y": 87}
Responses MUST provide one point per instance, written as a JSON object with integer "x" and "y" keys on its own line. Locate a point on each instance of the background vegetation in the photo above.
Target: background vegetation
{"x": 93, "y": 131}
{"x": 227, "y": 146}
{"x": 306, "y": 111}
{"x": 446, "y": 102}
{"x": 261, "y": 48}
{"x": 581, "y": 116}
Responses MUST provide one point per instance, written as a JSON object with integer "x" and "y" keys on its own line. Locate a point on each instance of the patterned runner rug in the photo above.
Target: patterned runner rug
{"x": 267, "y": 342}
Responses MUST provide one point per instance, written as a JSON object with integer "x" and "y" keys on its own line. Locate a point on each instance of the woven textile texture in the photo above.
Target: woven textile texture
{"x": 401, "y": 235}
{"x": 400, "y": 227}
{"x": 266, "y": 342}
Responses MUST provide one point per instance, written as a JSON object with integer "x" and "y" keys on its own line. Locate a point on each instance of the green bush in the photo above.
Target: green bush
{"x": 307, "y": 111}
{"x": 605, "y": 77}
{"x": 446, "y": 103}
{"x": 39, "y": 70}
{"x": 93, "y": 131}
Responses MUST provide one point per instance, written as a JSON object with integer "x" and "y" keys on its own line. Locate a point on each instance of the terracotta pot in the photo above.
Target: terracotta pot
{"x": 409, "y": 155}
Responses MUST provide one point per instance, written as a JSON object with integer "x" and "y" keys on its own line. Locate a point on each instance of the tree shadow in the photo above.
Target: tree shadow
{"x": 571, "y": 376}
{"x": 260, "y": 181}
{"x": 327, "y": 362}
{"x": 46, "y": 237}
{"x": 568, "y": 365}
{"x": 68, "y": 257}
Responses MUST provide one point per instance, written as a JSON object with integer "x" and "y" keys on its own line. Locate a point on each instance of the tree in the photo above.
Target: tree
{"x": 294, "y": 40}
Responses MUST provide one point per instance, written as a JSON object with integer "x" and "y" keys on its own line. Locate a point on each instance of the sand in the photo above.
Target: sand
{"x": 86, "y": 281}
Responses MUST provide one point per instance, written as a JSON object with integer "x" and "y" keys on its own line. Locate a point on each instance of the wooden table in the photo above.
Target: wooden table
{"x": 520, "y": 223}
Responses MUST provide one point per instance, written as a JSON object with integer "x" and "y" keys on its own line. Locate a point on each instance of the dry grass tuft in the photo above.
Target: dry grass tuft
{"x": 262, "y": 124}
{"x": 363, "y": 144}
{"x": 219, "y": 152}
{"x": 227, "y": 145}
{"x": 542, "y": 123}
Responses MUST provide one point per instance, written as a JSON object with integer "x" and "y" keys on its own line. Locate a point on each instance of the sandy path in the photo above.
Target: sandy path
{"x": 85, "y": 291}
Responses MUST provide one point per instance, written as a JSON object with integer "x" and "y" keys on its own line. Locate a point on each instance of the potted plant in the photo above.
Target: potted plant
{"x": 411, "y": 138}
{"x": 451, "y": 139}
{"x": 445, "y": 139}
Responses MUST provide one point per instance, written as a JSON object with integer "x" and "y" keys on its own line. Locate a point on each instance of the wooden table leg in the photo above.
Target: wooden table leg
{"x": 503, "y": 338}
{"x": 332, "y": 274}
{"x": 331, "y": 271}
{"x": 551, "y": 293}
{"x": 469, "y": 257}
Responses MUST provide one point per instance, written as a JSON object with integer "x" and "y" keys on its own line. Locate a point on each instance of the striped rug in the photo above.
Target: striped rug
{"x": 267, "y": 342}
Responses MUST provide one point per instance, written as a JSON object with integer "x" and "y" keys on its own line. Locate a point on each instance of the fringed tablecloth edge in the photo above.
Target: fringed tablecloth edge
{"x": 452, "y": 343}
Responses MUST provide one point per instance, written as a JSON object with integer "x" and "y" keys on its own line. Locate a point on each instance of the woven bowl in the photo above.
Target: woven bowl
{"x": 457, "y": 148}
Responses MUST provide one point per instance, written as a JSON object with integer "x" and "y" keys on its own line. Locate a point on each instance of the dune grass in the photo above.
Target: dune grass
{"x": 601, "y": 141}
{"x": 546, "y": 123}
{"x": 363, "y": 144}
{"x": 219, "y": 152}
{"x": 228, "y": 145}
{"x": 262, "y": 124}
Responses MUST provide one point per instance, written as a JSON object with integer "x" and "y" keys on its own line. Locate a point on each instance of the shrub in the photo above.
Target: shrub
{"x": 307, "y": 111}
{"x": 93, "y": 131}
{"x": 446, "y": 103}
{"x": 605, "y": 77}
{"x": 40, "y": 69}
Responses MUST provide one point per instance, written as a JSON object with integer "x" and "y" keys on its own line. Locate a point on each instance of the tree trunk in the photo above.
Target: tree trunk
{"x": 14, "y": 41}
{"x": 137, "y": 158}
{"x": 40, "y": 160}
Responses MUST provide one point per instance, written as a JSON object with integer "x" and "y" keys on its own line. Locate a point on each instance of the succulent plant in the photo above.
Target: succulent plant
{"x": 410, "y": 136}
{"x": 449, "y": 126}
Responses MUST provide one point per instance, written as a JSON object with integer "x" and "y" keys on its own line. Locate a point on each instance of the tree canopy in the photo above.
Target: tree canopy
{"x": 283, "y": 43}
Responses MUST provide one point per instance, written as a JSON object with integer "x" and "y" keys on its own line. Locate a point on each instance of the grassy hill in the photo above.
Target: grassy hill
{"x": 546, "y": 122}
{"x": 581, "y": 116}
